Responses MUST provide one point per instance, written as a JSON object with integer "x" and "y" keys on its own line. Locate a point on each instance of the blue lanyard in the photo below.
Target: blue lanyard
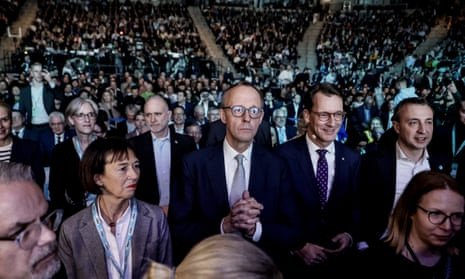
{"x": 454, "y": 153}
{"x": 128, "y": 241}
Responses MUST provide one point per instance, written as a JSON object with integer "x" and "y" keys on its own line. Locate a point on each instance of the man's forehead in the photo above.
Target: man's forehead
{"x": 20, "y": 202}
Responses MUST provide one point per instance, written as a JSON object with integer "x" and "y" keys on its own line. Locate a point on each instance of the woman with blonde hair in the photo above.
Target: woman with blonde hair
{"x": 419, "y": 241}
{"x": 226, "y": 256}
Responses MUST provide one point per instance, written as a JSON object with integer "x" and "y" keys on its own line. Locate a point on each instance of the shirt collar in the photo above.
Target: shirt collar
{"x": 400, "y": 154}
{"x": 313, "y": 147}
{"x": 167, "y": 137}
{"x": 230, "y": 153}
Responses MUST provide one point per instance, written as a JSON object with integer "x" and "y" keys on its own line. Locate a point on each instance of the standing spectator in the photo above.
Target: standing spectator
{"x": 66, "y": 191}
{"x": 418, "y": 241}
{"x": 141, "y": 126}
{"x": 386, "y": 171}
{"x": 28, "y": 242}
{"x": 19, "y": 129}
{"x": 117, "y": 235}
{"x": 195, "y": 132}
{"x": 325, "y": 173}
{"x": 14, "y": 149}
{"x": 283, "y": 131}
{"x": 237, "y": 187}
{"x": 37, "y": 99}
{"x": 160, "y": 153}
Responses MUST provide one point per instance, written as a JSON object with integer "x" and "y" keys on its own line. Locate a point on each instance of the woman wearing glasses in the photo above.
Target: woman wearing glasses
{"x": 419, "y": 241}
{"x": 118, "y": 235}
{"x": 66, "y": 191}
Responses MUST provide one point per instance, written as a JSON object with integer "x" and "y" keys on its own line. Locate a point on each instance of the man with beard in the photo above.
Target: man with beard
{"x": 28, "y": 246}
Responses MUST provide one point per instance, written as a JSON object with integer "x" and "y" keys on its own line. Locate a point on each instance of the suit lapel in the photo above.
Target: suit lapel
{"x": 257, "y": 172}
{"x": 143, "y": 223}
{"x": 340, "y": 168}
{"x": 302, "y": 154}
{"x": 216, "y": 174}
{"x": 90, "y": 237}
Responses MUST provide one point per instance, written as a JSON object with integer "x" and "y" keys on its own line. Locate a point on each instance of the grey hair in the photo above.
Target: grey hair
{"x": 56, "y": 114}
{"x": 14, "y": 172}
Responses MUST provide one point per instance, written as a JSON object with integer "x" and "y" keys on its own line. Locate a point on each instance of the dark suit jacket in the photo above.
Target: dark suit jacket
{"x": 65, "y": 186}
{"x": 200, "y": 203}
{"x": 47, "y": 142}
{"x": 83, "y": 255}
{"x": 217, "y": 132}
{"x": 28, "y": 152}
{"x": 341, "y": 213}
{"x": 291, "y": 132}
{"x": 147, "y": 189}
{"x": 378, "y": 184}
{"x": 25, "y": 101}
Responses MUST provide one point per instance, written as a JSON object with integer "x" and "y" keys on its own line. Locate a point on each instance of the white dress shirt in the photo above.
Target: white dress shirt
{"x": 330, "y": 158}
{"x": 230, "y": 164}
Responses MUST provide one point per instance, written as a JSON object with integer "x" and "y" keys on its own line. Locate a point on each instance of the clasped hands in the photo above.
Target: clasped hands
{"x": 313, "y": 254}
{"x": 243, "y": 216}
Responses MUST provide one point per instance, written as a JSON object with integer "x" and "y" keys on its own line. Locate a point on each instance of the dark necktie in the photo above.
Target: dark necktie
{"x": 238, "y": 184}
{"x": 57, "y": 139}
{"x": 322, "y": 176}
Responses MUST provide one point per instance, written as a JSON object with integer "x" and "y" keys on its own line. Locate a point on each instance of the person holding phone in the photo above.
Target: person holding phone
{"x": 37, "y": 100}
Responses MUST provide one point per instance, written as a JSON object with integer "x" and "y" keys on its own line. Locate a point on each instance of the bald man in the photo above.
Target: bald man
{"x": 160, "y": 151}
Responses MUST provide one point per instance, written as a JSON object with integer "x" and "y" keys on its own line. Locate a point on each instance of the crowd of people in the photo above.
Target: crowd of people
{"x": 158, "y": 174}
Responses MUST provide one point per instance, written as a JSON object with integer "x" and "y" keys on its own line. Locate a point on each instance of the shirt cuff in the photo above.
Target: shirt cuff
{"x": 221, "y": 226}
{"x": 258, "y": 232}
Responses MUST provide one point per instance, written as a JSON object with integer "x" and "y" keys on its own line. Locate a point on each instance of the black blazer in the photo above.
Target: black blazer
{"x": 65, "y": 186}
{"x": 47, "y": 142}
{"x": 217, "y": 132}
{"x": 378, "y": 185}
{"x": 342, "y": 211}
{"x": 28, "y": 152}
{"x": 147, "y": 188}
{"x": 25, "y": 101}
{"x": 201, "y": 201}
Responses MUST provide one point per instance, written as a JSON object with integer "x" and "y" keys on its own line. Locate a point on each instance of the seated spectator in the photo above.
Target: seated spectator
{"x": 224, "y": 256}
{"x": 28, "y": 246}
{"x": 118, "y": 235}
{"x": 418, "y": 240}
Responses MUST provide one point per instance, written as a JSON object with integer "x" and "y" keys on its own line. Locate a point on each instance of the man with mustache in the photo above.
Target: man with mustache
{"x": 28, "y": 246}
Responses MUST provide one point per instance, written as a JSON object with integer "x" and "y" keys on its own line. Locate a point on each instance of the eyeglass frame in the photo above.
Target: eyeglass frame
{"x": 36, "y": 225}
{"x": 323, "y": 114}
{"x": 445, "y": 216}
{"x": 81, "y": 116}
{"x": 244, "y": 109}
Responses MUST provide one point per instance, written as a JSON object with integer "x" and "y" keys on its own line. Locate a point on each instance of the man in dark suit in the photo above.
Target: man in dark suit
{"x": 217, "y": 131}
{"x": 19, "y": 129}
{"x": 283, "y": 131}
{"x": 53, "y": 136}
{"x": 387, "y": 169}
{"x": 14, "y": 149}
{"x": 160, "y": 152}
{"x": 37, "y": 99}
{"x": 258, "y": 202}
{"x": 328, "y": 207}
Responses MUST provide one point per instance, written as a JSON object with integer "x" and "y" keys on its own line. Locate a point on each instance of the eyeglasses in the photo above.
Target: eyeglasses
{"x": 439, "y": 217}
{"x": 28, "y": 237}
{"x": 82, "y": 116}
{"x": 238, "y": 111}
{"x": 324, "y": 115}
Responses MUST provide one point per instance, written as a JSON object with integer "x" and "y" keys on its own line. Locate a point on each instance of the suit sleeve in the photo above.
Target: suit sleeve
{"x": 65, "y": 252}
